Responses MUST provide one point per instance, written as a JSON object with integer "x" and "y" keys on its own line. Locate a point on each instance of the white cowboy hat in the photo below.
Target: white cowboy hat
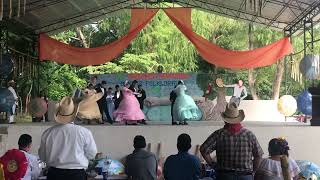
{"x": 232, "y": 115}
{"x": 66, "y": 111}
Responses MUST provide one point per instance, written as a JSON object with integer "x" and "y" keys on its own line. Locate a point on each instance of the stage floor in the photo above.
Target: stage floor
{"x": 289, "y": 122}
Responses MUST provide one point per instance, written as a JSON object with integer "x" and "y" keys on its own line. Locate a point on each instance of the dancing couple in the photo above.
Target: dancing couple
{"x": 183, "y": 107}
{"x": 130, "y": 108}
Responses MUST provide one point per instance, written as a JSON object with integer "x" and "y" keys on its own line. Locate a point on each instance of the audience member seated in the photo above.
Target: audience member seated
{"x": 182, "y": 166}
{"x": 33, "y": 171}
{"x": 141, "y": 164}
{"x": 66, "y": 147}
{"x": 278, "y": 166}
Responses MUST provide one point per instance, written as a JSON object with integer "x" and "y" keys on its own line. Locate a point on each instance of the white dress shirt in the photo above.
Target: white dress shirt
{"x": 118, "y": 94}
{"x": 13, "y": 92}
{"x": 33, "y": 170}
{"x": 67, "y": 146}
{"x": 237, "y": 91}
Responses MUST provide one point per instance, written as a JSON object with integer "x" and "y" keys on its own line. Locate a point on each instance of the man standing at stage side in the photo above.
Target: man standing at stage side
{"x": 11, "y": 85}
{"x": 237, "y": 149}
{"x": 238, "y": 90}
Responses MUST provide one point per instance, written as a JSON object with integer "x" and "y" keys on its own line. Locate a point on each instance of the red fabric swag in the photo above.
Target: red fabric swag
{"x": 213, "y": 54}
{"x": 51, "y": 49}
{"x": 54, "y": 50}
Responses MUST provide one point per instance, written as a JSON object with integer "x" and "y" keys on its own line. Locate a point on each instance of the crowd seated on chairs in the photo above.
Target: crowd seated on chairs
{"x": 238, "y": 155}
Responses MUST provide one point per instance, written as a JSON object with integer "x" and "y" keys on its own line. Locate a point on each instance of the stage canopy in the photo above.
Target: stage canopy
{"x": 52, "y": 16}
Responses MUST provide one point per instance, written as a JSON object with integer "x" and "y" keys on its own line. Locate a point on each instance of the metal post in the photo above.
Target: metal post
{"x": 291, "y": 55}
{"x": 312, "y": 43}
{"x": 304, "y": 48}
{"x": 312, "y": 35}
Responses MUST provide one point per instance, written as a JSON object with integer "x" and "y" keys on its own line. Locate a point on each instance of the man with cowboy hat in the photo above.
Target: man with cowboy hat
{"x": 237, "y": 149}
{"x": 66, "y": 148}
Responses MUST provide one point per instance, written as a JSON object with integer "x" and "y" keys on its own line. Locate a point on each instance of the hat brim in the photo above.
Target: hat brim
{"x": 235, "y": 120}
{"x": 219, "y": 82}
{"x": 62, "y": 119}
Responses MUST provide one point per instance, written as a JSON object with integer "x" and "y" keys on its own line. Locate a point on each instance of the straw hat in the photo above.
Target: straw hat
{"x": 37, "y": 107}
{"x": 11, "y": 82}
{"x": 66, "y": 111}
{"x": 232, "y": 115}
{"x": 219, "y": 82}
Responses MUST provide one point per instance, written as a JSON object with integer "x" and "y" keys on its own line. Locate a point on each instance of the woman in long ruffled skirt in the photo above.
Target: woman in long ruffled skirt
{"x": 129, "y": 110}
{"x": 184, "y": 108}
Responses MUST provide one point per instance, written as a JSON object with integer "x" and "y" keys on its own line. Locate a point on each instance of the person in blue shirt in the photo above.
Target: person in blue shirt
{"x": 182, "y": 166}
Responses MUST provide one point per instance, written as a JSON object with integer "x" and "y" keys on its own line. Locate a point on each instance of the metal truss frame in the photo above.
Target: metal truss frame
{"x": 296, "y": 7}
{"x": 300, "y": 22}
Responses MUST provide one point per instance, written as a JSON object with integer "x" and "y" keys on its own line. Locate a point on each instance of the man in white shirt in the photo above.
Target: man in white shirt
{"x": 33, "y": 171}
{"x": 67, "y": 148}
{"x": 239, "y": 92}
{"x": 11, "y": 85}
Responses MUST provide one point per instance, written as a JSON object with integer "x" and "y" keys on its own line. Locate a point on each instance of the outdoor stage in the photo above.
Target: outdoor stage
{"x": 116, "y": 141}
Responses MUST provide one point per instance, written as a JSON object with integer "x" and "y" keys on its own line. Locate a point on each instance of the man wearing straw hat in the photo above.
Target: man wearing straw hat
{"x": 237, "y": 149}
{"x": 66, "y": 147}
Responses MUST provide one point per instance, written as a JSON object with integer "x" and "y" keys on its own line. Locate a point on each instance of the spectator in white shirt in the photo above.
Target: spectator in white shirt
{"x": 33, "y": 171}
{"x": 66, "y": 147}
{"x": 11, "y": 85}
{"x": 239, "y": 92}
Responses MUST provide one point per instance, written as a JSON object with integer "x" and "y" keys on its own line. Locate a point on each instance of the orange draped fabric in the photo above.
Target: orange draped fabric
{"x": 213, "y": 54}
{"x": 51, "y": 49}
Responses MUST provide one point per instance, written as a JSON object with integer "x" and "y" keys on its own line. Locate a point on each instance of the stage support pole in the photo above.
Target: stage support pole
{"x": 315, "y": 91}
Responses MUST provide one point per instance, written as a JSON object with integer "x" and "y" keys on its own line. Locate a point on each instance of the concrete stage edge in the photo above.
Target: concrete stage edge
{"x": 116, "y": 141}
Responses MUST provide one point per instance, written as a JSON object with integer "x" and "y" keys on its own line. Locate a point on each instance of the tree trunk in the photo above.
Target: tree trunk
{"x": 277, "y": 80}
{"x": 81, "y": 37}
{"x": 251, "y": 77}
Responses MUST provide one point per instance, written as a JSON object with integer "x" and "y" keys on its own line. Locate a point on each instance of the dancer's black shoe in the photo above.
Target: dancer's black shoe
{"x": 174, "y": 123}
{"x": 143, "y": 122}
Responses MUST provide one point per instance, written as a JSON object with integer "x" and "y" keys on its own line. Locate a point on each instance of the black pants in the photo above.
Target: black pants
{"x": 172, "y": 112}
{"x": 66, "y": 174}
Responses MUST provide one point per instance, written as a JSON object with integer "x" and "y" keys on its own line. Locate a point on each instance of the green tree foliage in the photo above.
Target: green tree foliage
{"x": 161, "y": 43}
{"x": 57, "y": 81}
